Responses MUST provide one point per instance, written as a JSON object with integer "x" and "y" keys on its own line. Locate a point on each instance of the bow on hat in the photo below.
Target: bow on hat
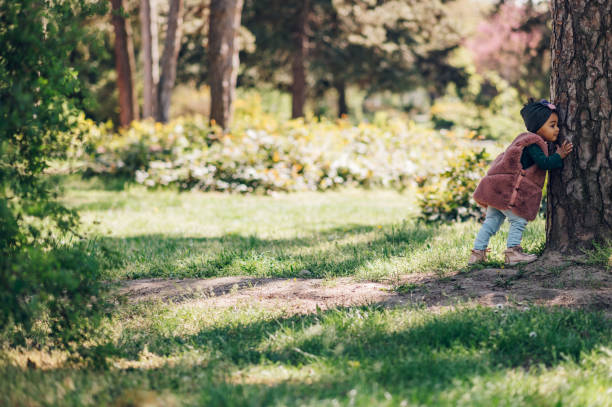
{"x": 535, "y": 114}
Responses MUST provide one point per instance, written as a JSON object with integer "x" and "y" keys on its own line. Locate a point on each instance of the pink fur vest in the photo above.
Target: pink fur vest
{"x": 508, "y": 186}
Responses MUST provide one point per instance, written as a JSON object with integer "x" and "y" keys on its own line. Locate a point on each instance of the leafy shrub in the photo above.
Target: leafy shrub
{"x": 43, "y": 288}
{"x": 261, "y": 155}
{"x": 39, "y": 92}
{"x": 448, "y": 196}
{"x": 53, "y": 296}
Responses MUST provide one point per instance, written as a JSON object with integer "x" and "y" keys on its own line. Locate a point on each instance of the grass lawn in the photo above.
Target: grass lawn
{"x": 189, "y": 353}
{"x": 366, "y": 234}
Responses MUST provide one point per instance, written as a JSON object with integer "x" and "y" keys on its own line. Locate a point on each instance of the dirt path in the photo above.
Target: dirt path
{"x": 563, "y": 284}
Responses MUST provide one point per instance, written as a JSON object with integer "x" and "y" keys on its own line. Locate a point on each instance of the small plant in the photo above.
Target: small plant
{"x": 406, "y": 288}
{"x": 53, "y": 298}
{"x": 600, "y": 255}
{"x": 448, "y": 196}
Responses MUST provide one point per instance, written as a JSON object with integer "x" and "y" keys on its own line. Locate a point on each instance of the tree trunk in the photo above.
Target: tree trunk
{"x": 124, "y": 63}
{"x": 150, "y": 56}
{"x": 342, "y": 106}
{"x": 579, "y": 210}
{"x": 169, "y": 59}
{"x": 298, "y": 64}
{"x": 223, "y": 58}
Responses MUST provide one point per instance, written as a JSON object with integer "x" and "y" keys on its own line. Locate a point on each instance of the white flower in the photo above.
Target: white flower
{"x": 532, "y": 334}
{"x": 141, "y": 176}
{"x": 499, "y": 306}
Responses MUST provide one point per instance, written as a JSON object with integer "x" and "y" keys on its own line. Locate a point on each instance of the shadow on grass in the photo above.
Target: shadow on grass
{"x": 401, "y": 351}
{"x": 334, "y": 252}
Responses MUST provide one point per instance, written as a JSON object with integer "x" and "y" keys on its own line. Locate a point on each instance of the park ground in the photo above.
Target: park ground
{"x": 337, "y": 298}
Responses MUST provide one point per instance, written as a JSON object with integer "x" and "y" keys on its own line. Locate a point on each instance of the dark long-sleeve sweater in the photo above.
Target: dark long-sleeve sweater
{"x": 533, "y": 154}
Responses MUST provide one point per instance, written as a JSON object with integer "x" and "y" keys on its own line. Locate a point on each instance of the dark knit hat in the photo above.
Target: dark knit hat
{"x": 535, "y": 114}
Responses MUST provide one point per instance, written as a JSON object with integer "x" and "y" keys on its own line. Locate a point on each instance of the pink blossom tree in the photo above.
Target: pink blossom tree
{"x": 515, "y": 42}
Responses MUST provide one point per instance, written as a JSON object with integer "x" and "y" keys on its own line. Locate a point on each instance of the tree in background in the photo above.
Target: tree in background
{"x": 299, "y": 59}
{"x": 388, "y": 45}
{"x": 223, "y": 61}
{"x": 125, "y": 64}
{"x": 275, "y": 27}
{"x": 150, "y": 56}
{"x": 514, "y": 42}
{"x": 169, "y": 59}
{"x": 579, "y": 211}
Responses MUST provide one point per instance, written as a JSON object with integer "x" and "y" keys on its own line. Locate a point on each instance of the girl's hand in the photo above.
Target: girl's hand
{"x": 565, "y": 149}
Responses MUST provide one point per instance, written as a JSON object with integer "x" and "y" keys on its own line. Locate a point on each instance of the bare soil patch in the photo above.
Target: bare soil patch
{"x": 554, "y": 284}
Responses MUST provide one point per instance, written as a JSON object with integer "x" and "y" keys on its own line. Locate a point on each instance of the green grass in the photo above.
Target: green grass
{"x": 366, "y": 234}
{"x": 192, "y": 355}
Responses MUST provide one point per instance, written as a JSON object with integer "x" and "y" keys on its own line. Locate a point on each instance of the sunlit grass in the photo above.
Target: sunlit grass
{"x": 369, "y": 234}
{"x": 195, "y": 353}
{"x": 190, "y": 354}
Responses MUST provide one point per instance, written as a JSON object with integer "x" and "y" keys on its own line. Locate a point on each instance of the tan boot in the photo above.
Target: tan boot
{"x": 478, "y": 256}
{"x": 514, "y": 255}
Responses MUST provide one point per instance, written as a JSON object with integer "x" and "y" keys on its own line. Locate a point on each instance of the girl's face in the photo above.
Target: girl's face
{"x": 549, "y": 130}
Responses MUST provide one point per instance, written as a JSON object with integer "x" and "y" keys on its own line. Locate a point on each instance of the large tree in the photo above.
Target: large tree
{"x": 223, "y": 58}
{"x": 125, "y": 64}
{"x": 579, "y": 209}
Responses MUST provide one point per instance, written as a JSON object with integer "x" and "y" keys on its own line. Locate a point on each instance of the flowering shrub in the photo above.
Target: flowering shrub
{"x": 448, "y": 196}
{"x": 262, "y": 155}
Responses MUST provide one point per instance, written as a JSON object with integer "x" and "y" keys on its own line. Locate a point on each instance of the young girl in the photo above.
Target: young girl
{"x": 513, "y": 185}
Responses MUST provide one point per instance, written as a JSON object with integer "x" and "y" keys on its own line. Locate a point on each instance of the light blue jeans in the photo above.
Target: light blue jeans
{"x": 492, "y": 223}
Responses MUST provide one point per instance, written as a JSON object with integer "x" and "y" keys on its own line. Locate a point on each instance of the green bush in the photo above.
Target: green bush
{"x": 261, "y": 155}
{"x": 39, "y": 93}
{"x": 43, "y": 288}
{"x": 51, "y": 297}
{"x": 448, "y": 196}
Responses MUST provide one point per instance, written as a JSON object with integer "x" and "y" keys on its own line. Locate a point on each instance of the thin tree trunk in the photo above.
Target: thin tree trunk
{"x": 579, "y": 210}
{"x": 342, "y": 106}
{"x": 150, "y": 56}
{"x": 170, "y": 59}
{"x": 124, "y": 63}
{"x": 298, "y": 65}
{"x": 223, "y": 58}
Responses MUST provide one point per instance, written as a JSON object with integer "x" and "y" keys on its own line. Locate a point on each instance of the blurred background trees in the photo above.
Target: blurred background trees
{"x": 332, "y": 57}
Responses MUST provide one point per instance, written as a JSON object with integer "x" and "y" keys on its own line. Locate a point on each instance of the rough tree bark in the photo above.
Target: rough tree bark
{"x": 169, "y": 59}
{"x": 579, "y": 210}
{"x": 124, "y": 63}
{"x": 298, "y": 63}
{"x": 223, "y": 58}
{"x": 150, "y": 56}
